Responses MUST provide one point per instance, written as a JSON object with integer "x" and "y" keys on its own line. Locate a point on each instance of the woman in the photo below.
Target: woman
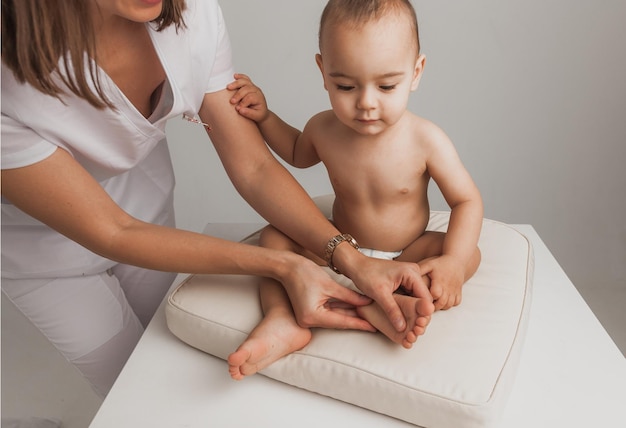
{"x": 87, "y": 216}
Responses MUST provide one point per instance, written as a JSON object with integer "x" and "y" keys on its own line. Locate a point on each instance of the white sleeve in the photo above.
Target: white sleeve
{"x": 223, "y": 69}
{"x": 21, "y": 146}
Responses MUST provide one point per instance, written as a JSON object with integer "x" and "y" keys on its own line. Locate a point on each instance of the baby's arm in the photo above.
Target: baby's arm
{"x": 289, "y": 143}
{"x": 460, "y": 257}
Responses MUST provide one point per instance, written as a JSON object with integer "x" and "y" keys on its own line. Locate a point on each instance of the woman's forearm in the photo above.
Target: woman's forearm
{"x": 174, "y": 250}
{"x": 262, "y": 181}
{"x": 61, "y": 194}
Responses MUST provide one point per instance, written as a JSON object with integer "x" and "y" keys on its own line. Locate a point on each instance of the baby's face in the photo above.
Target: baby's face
{"x": 369, "y": 72}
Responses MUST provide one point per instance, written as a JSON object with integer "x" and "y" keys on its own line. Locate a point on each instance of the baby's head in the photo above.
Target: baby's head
{"x": 370, "y": 61}
{"x": 356, "y": 13}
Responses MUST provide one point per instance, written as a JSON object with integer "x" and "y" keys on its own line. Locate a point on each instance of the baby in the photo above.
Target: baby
{"x": 380, "y": 158}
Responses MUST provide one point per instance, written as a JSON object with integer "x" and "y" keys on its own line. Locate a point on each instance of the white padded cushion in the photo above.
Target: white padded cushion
{"x": 459, "y": 374}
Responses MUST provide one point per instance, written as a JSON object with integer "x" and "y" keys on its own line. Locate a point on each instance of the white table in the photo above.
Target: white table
{"x": 571, "y": 374}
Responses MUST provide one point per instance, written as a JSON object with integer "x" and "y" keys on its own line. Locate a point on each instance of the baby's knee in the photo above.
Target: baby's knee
{"x": 266, "y": 235}
{"x": 271, "y": 237}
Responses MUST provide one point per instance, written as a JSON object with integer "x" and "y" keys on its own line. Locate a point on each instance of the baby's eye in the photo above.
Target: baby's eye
{"x": 387, "y": 87}
{"x": 344, "y": 88}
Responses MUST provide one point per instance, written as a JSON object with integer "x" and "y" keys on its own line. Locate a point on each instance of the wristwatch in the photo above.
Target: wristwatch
{"x": 333, "y": 243}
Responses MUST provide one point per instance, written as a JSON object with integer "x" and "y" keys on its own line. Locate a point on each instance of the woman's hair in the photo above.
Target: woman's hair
{"x": 47, "y": 40}
{"x": 359, "y": 12}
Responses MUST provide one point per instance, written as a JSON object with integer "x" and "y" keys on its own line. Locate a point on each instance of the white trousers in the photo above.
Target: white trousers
{"x": 94, "y": 321}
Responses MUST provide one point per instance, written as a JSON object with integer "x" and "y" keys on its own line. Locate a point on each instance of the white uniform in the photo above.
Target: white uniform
{"x": 91, "y": 308}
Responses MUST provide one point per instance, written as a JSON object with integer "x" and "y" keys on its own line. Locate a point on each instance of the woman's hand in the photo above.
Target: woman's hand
{"x": 318, "y": 301}
{"x": 378, "y": 279}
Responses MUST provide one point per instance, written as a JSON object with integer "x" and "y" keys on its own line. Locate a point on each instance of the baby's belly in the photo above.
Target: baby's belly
{"x": 385, "y": 230}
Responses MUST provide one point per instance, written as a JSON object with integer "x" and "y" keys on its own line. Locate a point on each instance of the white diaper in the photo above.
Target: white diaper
{"x": 377, "y": 254}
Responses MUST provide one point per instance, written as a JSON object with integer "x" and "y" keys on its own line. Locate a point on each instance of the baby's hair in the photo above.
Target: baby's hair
{"x": 359, "y": 12}
{"x": 43, "y": 40}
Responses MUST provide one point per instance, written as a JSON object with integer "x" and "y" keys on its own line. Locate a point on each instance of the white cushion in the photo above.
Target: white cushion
{"x": 458, "y": 374}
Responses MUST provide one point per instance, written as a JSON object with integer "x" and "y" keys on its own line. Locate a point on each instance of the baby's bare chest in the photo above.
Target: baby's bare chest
{"x": 383, "y": 171}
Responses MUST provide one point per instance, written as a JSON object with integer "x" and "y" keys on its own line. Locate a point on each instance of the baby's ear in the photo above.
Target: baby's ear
{"x": 419, "y": 69}
{"x": 320, "y": 65}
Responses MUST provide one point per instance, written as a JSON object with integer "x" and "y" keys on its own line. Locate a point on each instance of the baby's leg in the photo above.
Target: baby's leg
{"x": 413, "y": 309}
{"x": 278, "y": 333}
{"x": 429, "y": 246}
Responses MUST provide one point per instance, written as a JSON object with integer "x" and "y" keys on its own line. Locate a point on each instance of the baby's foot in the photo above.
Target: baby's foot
{"x": 416, "y": 311}
{"x": 274, "y": 337}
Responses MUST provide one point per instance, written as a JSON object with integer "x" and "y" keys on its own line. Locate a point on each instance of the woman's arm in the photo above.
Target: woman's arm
{"x": 60, "y": 193}
{"x": 262, "y": 181}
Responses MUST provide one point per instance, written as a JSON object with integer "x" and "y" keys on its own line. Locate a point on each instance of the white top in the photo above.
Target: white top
{"x": 123, "y": 150}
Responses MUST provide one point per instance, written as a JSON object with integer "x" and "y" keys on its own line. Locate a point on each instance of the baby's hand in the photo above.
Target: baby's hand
{"x": 446, "y": 280}
{"x": 248, "y": 99}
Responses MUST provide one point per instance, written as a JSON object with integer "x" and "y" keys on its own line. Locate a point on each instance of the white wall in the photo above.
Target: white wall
{"x": 532, "y": 93}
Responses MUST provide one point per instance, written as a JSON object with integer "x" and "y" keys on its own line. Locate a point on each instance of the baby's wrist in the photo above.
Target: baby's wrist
{"x": 264, "y": 117}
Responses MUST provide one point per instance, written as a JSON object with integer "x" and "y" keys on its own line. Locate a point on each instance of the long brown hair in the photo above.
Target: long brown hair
{"x": 43, "y": 40}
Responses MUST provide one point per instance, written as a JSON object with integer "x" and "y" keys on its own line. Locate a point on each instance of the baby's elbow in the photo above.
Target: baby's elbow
{"x": 304, "y": 160}
{"x": 303, "y": 164}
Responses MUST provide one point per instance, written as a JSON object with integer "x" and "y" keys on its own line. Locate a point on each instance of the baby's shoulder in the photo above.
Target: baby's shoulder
{"x": 425, "y": 130}
{"x": 321, "y": 123}
{"x": 322, "y": 119}
{"x": 422, "y": 125}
